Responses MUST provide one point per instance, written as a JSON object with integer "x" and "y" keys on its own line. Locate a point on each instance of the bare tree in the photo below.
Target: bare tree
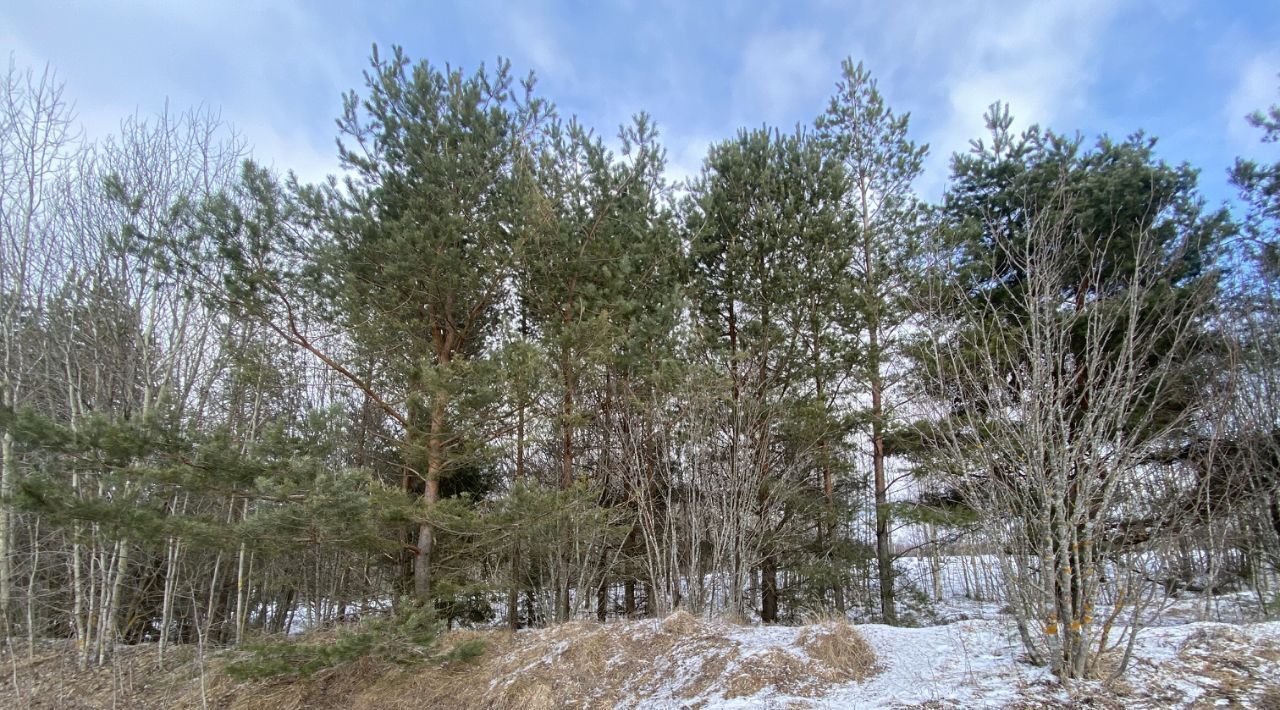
{"x": 36, "y": 142}
{"x": 1051, "y": 402}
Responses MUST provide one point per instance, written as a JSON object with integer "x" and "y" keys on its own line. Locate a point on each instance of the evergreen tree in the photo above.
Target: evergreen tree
{"x": 763, "y": 199}
{"x": 411, "y": 258}
{"x": 1260, "y": 186}
{"x": 882, "y": 222}
{"x": 599, "y": 240}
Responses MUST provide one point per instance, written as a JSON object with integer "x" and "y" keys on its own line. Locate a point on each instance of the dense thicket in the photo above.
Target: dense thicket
{"x": 498, "y": 367}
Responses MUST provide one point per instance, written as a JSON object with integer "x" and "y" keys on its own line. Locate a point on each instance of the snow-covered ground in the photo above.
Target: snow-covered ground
{"x": 976, "y": 664}
{"x": 682, "y": 662}
{"x": 1193, "y": 650}
{"x": 965, "y": 664}
{"x": 960, "y": 650}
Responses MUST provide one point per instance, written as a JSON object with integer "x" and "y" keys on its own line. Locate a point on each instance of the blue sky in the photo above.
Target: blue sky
{"x": 1184, "y": 71}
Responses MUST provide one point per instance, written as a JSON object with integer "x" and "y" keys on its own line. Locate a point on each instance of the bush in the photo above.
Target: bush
{"x": 408, "y": 637}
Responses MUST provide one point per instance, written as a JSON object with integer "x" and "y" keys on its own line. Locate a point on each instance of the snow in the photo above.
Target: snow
{"x": 972, "y": 657}
{"x": 965, "y": 664}
{"x": 976, "y": 664}
{"x": 972, "y": 663}
{"x": 1193, "y": 650}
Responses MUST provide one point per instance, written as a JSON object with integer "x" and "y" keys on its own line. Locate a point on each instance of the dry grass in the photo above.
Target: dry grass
{"x": 830, "y": 654}
{"x": 841, "y": 650}
{"x": 1231, "y": 666}
{"x": 681, "y": 623}
{"x": 774, "y": 669}
{"x": 679, "y": 661}
{"x": 1269, "y": 699}
{"x": 581, "y": 664}
{"x": 50, "y": 677}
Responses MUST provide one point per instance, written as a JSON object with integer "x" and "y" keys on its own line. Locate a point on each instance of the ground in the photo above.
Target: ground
{"x": 683, "y": 662}
{"x": 1195, "y": 651}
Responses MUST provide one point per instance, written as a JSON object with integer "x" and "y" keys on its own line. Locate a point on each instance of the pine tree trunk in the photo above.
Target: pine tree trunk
{"x": 769, "y": 590}
{"x": 566, "y": 428}
{"x": 884, "y": 559}
{"x": 566, "y": 481}
{"x": 241, "y": 592}
{"x": 513, "y": 595}
{"x": 431, "y": 496}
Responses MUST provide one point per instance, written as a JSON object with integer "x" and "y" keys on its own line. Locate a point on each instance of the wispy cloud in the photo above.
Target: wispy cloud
{"x": 531, "y": 37}
{"x": 1257, "y": 88}
{"x": 781, "y": 73}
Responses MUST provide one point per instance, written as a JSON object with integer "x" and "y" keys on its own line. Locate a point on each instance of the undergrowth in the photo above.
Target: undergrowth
{"x": 409, "y": 637}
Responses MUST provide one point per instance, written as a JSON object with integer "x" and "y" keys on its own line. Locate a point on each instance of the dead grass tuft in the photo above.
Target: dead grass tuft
{"x": 1105, "y": 668}
{"x": 775, "y": 669}
{"x": 842, "y": 652}
{"x": 1269, "y": 699}
{"x": 681, "y": 623}
{"x": 681, "y": 659}
{"x": 710, "y": 672}
{"x": 1215, "y": 636}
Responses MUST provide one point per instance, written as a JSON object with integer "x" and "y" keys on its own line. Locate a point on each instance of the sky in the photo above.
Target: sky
{"x": 1186, "y": 72}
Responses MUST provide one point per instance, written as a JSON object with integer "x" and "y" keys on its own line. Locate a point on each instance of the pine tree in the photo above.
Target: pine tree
{"x": 411, "y": 258}
{"x": 597, "y": 239}
{"x": 762, "y": 201}
{"x": 882, "y": 222}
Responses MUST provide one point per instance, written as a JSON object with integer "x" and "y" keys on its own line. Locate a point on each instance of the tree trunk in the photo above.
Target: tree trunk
{"x": 769, "y": 590}
{"x": 566, "y": 481}
{"x": 445, "y": 342}
{"x": 566, "y": 428}
{"x": 108, "y": 637}
{"x": 884, "y": 559}
{"x": 8, "y": 467}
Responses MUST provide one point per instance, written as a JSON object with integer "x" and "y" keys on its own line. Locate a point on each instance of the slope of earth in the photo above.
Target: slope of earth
{"x": 683, "y": 662}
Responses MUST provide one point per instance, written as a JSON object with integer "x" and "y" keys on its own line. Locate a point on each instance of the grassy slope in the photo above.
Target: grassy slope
{"x": 685, "y": 662}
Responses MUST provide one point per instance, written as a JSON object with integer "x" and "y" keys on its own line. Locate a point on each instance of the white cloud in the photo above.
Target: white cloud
{"x": 1036, "y": 58}
{"x": 291, "y": 151}
{"x": 780, "y": 72}
{"x": 684, "y": 158}
{"x": 1257, "y": 88}
{"x": 274, "y": 71}
{"x": 534, "y": 41}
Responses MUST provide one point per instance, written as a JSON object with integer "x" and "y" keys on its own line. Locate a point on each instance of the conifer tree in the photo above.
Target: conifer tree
{"x": 411, "y": 258}
{"x": 597, "y": 239}
{"x": 756, "y": 207}
{"x": 882, "y": 223}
